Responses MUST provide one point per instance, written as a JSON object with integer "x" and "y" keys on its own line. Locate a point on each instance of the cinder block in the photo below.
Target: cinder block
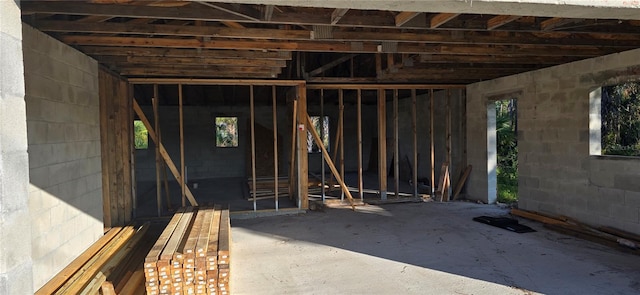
{"x": 15, "y": 180}
{"x": 627, "y": 182}
{"x": 629, "y": 214}
{"x": 632, "y": 199}
{"x": 13, "y": 126}
{"x": 15, "y": 233}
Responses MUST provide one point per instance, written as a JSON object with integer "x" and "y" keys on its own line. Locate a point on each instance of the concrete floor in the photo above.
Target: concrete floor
{"x": 423, "y": 248}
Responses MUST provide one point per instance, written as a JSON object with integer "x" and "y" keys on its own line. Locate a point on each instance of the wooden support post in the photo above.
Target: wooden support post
{"x": 414, "y": 131}
{"x": 336, "y": 147}
{"x": 275, "y": 145}
{"x": 253, "y": 147}
{"x": 322, "y": 178}
{"x": 292, "y": 160}
{"x": 396, "y": 145}
{"x": 341, "y": 128}
{"x": 447, "y": 193}
{"x": 359, "y": 111}
{"x": 166, "y": 186}
{"x": 382, "y": 144}
{"x": 163, "y": 152}
{"x": 332, "y": 167}
{"x": 182, "y": 174}
{"x": 303, "y": 156}
{"x": 431, "y": 143}
{"x": 154, "y": 102}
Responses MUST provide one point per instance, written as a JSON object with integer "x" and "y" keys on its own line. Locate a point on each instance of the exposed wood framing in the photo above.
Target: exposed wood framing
{"x": 431, "y": 141}
{"x": 448, "y": 139}
{"x": 414, "y": 131}
{"x": 156, "y": 122}
{"x": 116, "y": 149}
{"x": 275, "y": 145}
{"x": 404, "y": 17}
{"x": 253, "y": 145}
{"x": 337, "y": 14}
{"x": 292, "y": 150}
{"x": 302, "y": 155}
{"x": 396, "y": 145}
{"x": 500, "y": 20}
{"x": 341, "y": 128}
{"x": 330, "y": 65}
{"x": 441, "y": 19}
{"x": 382, "y": 143}
{"x": 165, "y": 155}
{"x": 332, "y": 167}
{"x": 359, "y": 135}
{"x": 183, "y": 183}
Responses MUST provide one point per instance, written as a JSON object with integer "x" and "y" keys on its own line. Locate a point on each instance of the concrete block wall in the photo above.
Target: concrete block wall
{"x": 557, "y": 173}
{"x": 15, "y": 230}
{"x": 63, "y": 126}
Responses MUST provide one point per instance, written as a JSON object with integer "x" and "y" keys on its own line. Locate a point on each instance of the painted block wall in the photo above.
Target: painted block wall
{"x": 15, "y": 230}
{"x": 65, "y": 191}
{"x": 557, "y": 173}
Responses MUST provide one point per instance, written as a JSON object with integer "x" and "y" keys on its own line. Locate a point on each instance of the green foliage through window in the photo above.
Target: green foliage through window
{"x": 507, "y": 148}
{"x": 322, "y": 127}
{"x": 226, "y": 131}
{"x": 620, "y": 117}
{"x": 141, "y": 135}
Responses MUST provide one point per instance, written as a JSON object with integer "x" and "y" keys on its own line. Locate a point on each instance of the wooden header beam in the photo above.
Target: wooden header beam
{"x": 383, "y": 86}
{"x": 186, "y": 81}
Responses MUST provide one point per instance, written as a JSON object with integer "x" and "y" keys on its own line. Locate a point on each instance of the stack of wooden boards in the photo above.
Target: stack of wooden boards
{"x": 191, "y": 256}
{"x": 265, "y": 187}
{"x": 605, "y": 235}
{"x": 111, "y": 265}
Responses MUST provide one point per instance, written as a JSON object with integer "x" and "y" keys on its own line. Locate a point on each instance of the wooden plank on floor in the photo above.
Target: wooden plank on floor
{"x": 56, "y": 282}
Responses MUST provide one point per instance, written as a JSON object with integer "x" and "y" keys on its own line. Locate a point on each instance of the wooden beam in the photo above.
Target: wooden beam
{"x": 341, "y": 127}
{"x": 359, "y": 135}
{"x": 431, "y": 140}
{"x": 448, "y": 158}
{"x": 462, "y": 181}
{"x": 332, "y": 167}
{"x": 292, "y": 150}
{"x": 382, "y": 143}
{"x": 556, "y": 22}
{"x": 242, "y": 11}
{"x": 171, "y": 52}
{"x": 302, "y": 159}
{"x": 331, "y": 65}
{"x": 233, "y": 25}
{"x": 268, "y": 12}
{"x": 441, "y": 19}
{"x": 337, "y": 15}
{"x": 396, "y": 145}
{"x": 404, "y": 17}
{"x": 228, "y": 82}
{"x": 154, "y": 102}
{"x": 275, "y": 146}
{"x": 414, "y": 131}
{"x": 339, "y": 46}
{"x": 163, "y": 151}
{"x": 441, "y": 36}
{"x": 182, "y": 162}
{"x": 501, "y": 20}
{"x": 193, "y": 60}
{"x": 253, "y": 145}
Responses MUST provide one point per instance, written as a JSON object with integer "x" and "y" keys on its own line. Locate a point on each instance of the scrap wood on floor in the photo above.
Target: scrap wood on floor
{"x": 608, "y": 236}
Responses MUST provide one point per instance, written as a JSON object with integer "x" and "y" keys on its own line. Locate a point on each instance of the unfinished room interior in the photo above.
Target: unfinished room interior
{"x": 320, "y": 147}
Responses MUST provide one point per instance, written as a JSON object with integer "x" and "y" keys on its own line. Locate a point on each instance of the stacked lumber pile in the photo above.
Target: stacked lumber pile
{"x": 265, "y": 187}
{"x": 609, "y": 236}
{"x": 191, "y": 256}
{"x": 108, "y": 266}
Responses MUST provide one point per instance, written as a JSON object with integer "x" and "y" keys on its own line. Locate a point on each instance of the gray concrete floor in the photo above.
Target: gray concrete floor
{"x": 423, "y": 248}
